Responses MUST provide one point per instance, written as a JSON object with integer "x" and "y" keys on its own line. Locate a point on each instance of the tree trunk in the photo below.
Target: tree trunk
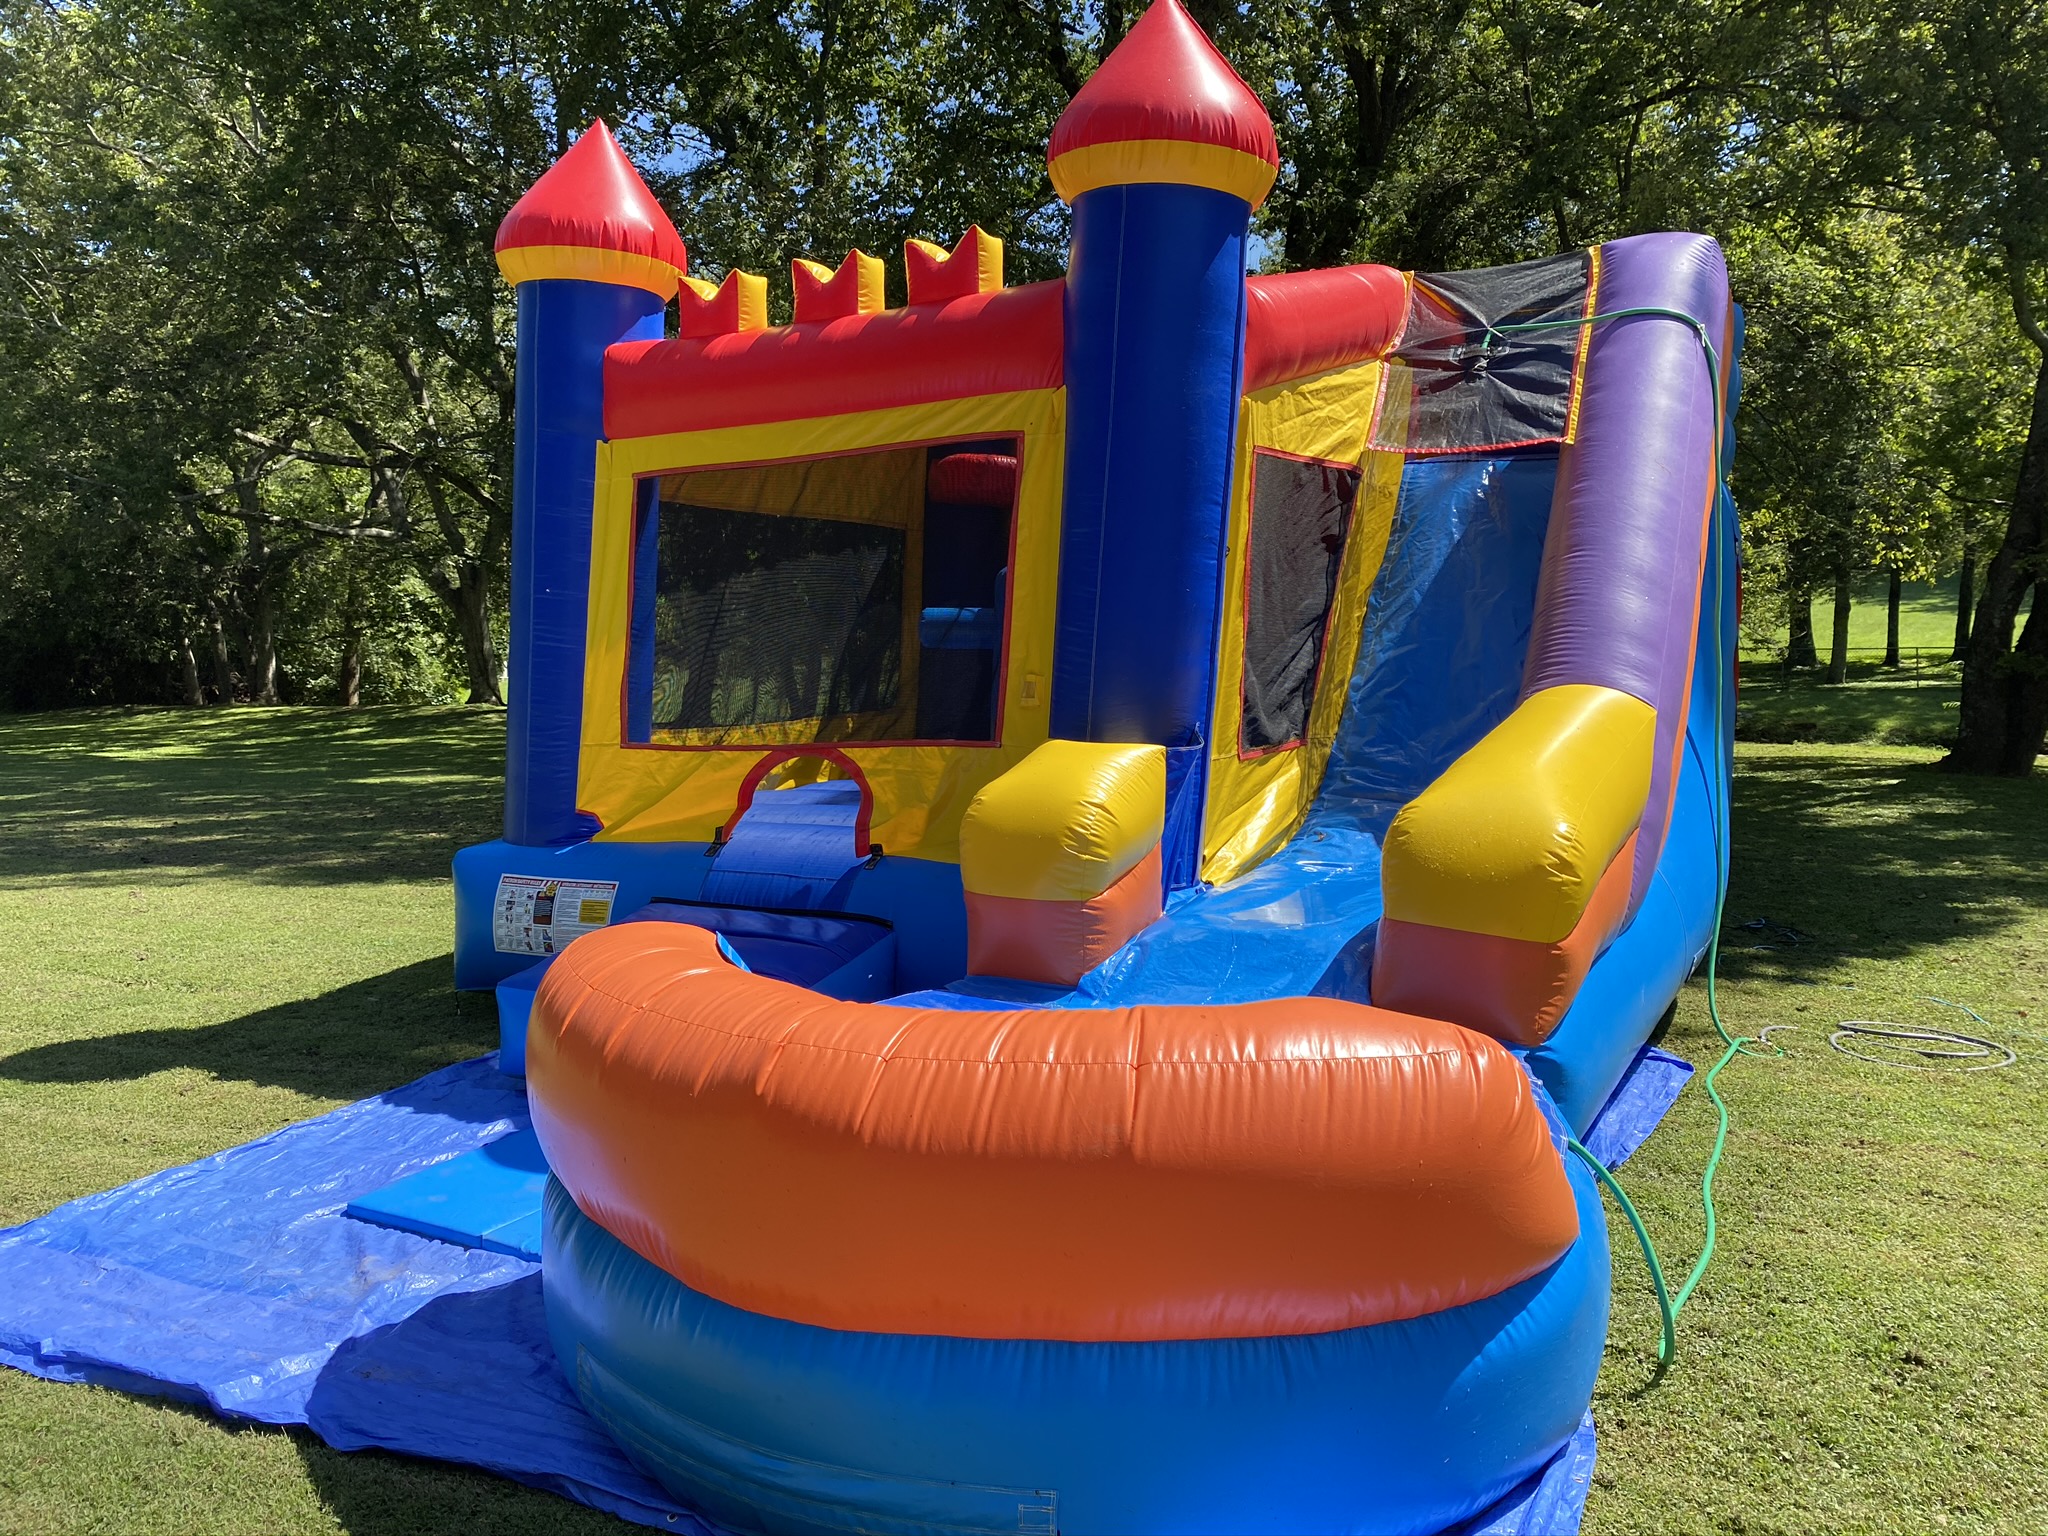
{"x": 1891, "y": 621}
{"x": 350, "y": 680}
{"x": 263, "y": 645}
{"x": 2029, "y": 727}
{"x": 223, "y": 668}
{"x": 351, "y": 689}
{"x": 188, "y": 671}
{"x": 473, "y": 616}
{"x": 2004, "y": 712}
{"x": 1800, "y": 650}
{"x": 1966, "y": 597}
{"x": 1838, "y": 645}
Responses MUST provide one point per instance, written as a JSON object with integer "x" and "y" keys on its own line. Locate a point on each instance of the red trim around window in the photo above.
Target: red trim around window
{"x": 1002, "y": 680}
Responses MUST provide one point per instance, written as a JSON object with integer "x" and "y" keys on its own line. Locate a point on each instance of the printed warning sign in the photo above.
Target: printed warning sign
{"x": 536, "y": 916}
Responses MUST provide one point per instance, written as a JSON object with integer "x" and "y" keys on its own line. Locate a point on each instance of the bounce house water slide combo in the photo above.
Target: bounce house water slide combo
{"x": 1111, "y": 829}
{"x": 1087, "y": 870}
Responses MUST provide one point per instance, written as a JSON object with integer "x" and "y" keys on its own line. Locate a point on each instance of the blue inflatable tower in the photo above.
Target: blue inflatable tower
{"x": 1163, "y": 156}
{"x": 594, "y": 261}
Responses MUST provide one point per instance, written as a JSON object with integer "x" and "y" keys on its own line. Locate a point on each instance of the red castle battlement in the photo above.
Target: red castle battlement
{"x": 1165, "y": 106}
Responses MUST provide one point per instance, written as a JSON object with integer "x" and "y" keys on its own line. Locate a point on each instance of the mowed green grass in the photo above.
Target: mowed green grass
{"x": 1870, "y": 1351}
{"x": 1909, "y": 706}
{"x": 1927, "y": 615}
{"x": 222, "y": 923}
{"x": 1914, "y": 704}
{"x": 217, "y": 924}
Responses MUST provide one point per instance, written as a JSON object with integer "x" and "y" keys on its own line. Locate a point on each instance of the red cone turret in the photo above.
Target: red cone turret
{"x": 1165, "y": 106}
{"x": 591, "y": 217}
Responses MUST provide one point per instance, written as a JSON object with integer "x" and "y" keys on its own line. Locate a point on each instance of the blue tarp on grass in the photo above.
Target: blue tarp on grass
{"x": 238, "y": 1282}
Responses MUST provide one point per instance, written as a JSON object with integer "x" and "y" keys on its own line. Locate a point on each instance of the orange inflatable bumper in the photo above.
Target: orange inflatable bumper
{"x": 1144, "y": 1173}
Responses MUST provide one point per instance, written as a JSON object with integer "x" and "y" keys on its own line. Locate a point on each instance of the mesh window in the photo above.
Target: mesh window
{"x": 1454, "y": 386}
{"x": 793, "y": 602}
{"x": 970, "y": 492}
{"x": 1301, "y": 513}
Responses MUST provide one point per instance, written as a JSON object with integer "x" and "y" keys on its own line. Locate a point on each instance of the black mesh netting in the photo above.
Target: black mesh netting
{"x": 846, "y": 597}
{"x": 1301, "y": 513}
{"x": 1455, "y": 385}
{"x": 768, "y": 618}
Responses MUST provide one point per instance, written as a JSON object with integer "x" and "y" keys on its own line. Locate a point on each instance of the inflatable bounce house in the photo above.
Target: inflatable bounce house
{"x": 1075, "y": 852}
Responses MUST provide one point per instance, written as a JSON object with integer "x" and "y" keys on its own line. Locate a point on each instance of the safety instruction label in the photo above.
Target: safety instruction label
{"x": 535, "y": 916}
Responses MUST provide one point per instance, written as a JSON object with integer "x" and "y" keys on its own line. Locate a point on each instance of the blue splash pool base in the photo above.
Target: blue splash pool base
{"x": 240, "y": 1283}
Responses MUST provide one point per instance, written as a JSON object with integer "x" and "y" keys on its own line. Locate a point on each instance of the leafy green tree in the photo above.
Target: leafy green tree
{"x": 1820, "y": 466}
{"x": 256, "y": 394}
{"x": 1942, "y": 111}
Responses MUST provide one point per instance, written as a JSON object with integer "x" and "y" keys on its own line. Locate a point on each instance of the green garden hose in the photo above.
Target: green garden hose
{"x": 1668, "y": 1305}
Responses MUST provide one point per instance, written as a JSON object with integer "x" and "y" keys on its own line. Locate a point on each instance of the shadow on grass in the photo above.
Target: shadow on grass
{"x": 285, "y": 795}
{"x": 374, "y": 1493}
{"x": 357, "y": 1040}
{"x": 1957, "y": 858}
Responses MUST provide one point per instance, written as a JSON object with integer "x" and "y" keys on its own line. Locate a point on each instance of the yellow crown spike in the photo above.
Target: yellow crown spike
{"x": 824, "y": 294}
{"x": 740, "y": 303}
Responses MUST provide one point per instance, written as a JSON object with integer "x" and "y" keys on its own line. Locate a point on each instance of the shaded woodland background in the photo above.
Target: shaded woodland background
{"x": 255, "y": 358}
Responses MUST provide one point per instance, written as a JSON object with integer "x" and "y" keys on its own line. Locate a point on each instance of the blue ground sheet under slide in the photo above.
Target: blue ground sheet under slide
{"x": 241, "y": 1283}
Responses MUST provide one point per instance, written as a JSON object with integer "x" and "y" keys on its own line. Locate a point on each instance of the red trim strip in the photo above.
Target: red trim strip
{"x": 863, "y": 818}
{"x": 985, "y": 344}
{"x": 1302, "y": 323}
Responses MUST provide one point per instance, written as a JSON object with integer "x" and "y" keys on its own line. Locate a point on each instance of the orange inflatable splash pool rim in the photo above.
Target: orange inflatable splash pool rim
{"x": 1147, "y": 1173}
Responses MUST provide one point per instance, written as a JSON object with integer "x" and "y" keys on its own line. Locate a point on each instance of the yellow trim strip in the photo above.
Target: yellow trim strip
{"x": 1123, "y": 162}
{"x": 922, "y": 790}
{"x": 1571, "y": 415}
{"x": 586, "y": 263}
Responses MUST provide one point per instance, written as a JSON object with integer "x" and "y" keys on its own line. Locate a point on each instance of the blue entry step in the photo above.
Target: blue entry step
{"x": 487, "y": 1198}
{"x": 840, "y": 954}
{"x": 515, "y": 1009}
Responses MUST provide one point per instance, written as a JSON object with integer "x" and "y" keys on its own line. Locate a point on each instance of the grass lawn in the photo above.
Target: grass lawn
{"x": 1911, "y": 705}
{"x": 1927, "y": 615}
{"x": 223, "y": 923}
{"x": 1907, "y": 706}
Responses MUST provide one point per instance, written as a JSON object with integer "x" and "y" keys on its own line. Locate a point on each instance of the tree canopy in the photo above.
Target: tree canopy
{"x": 255, "y": 362}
